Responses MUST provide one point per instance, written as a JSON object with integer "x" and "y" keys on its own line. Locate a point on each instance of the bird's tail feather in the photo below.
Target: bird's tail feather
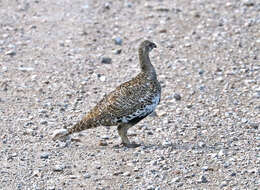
{"x": 80, "y": 126}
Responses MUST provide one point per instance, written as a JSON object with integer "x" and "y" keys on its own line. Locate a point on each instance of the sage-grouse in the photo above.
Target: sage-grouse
{"x": 128, "y": 104}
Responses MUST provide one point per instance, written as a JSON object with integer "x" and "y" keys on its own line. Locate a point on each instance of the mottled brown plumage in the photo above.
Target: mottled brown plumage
{"x": 128, "y": 104}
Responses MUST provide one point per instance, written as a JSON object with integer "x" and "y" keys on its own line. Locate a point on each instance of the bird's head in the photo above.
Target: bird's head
{"x": 147, "y": 46}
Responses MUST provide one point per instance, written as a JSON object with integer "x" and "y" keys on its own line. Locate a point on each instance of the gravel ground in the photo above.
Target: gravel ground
{"x": 59, "y": 58}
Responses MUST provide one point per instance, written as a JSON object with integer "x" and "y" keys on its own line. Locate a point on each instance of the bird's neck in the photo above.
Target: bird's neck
{"x": 145, "y": 62}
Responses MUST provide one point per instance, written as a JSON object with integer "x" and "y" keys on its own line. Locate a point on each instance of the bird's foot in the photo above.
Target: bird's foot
{"x": 131, "y": 145}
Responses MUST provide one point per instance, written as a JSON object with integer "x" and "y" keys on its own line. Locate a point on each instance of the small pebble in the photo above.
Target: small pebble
{"x": 161, "y": 113}
{"x": 248, "y": 3}
{"x": 87, "y": 176}
{"x": 202, "y": 88}
{"x": 226, "y": 164}
{"x": 106, "y": 60}
{"x": 43, "y": 122}
{"x": 233, "y": 174}
{"x": 118, "y": 41}
{"x": 105, "y": 137}
{"x": 11, "y": 53}
{"x": 103, "y": 143}
{"x": 30, "y": 123}
{"x": 201, "y": 144}
{"x": 202, "y": 179}
{"x": 58, "y": 168}
{"x": 129, "y": 4}
{"x": 254, "y": 125}
{"x": 221, "y": 153}
{"x": 25, "y": 69}
{"x": 205, "y": 168}
{"x": 107, "y": 5}
{"x": 223, "y": 184}
{"x": 177, "y": 96}
{"x": 19, "y": 186}
{"x": 102, "y": 78}
{"x": 126, "y": 174}
{"x": 166, "y": 143}
{"x": 176, "y": 179}
{"x": 118, "y": 51}
{"x": 86, "y": 6}
{"x": 189, "y": 106}
{"x": 163, "y": 9}
{"x": 253, "y": 170}
{"x": 44, "y": 155}
{"x": 244, "y": 120}
{"x": 73, "y": 177}
{"x": 150, "y": 187}
{"x": 149, "y": 133}
{"x": 163, "y": 31}
{"x": 117, "y": 173}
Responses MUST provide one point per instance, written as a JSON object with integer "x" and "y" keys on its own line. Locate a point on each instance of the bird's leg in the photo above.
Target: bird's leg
{"x": 122, "y": 131}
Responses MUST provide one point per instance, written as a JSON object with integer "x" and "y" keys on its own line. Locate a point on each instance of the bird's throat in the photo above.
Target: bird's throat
{"x": 145, "y": 62}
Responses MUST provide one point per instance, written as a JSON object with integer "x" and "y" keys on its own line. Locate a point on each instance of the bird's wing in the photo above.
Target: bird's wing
{"x": 129, "y": 100}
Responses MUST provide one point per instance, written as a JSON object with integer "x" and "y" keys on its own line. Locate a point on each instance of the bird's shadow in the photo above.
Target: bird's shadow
{"x": 175, "y": 146}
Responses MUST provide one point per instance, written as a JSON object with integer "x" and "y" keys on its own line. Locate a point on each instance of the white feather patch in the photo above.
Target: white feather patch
{"x": 143, "y": 112}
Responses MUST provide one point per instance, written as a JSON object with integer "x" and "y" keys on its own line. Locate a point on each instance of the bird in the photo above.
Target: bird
{"x": 127, "y": 105}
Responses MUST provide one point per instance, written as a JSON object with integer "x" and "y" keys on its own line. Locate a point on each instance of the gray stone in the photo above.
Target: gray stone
{"x": 221, "y": 153}
{"x": 118, "y": 51}
{"x": 129, "y": 4}
{"x": 205, "y": 168}
{"x": 177, "y": 96}
{"x": 87, "y": 176}
{"x": 58, "y": 168}
{"x": 201, "y": 144}
{"x": 126, "y": 174}
{"x": 254, "y": 125}
{"x": 150, "y": 187}
{"x": 107, "y": 5}
{"x": 176, "y": 179}
{"x": 223, "y": 184}
{"x": 73, "y": 177}
{"x": 202, "y": 179}
{"x": 202, "y": 88}
{"x": 118, "y": 41}
{"x": 105, "y": 137}
{"x": 25, "y": 68}
{"x": 233, "y": 174}
{"x": 166, "y": 143}
{"x": 43, "y": 122}
{"x": 86, "y": 6}
{"x": 11, "y": 53}
{"x": 44, "y": 155}
{"x": 117, "y": 173}
{"x": 106, "y": 60}
{"x": 248, "y": 3}
{"x": 102, "y": 78}
{"x": 226, "y": 164}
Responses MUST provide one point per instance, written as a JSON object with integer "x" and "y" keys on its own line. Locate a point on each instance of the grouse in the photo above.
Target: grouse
{"x": 128, "y": 104}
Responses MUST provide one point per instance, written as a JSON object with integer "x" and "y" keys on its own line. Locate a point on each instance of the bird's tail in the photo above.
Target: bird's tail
{"x": 85, "y": 123}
